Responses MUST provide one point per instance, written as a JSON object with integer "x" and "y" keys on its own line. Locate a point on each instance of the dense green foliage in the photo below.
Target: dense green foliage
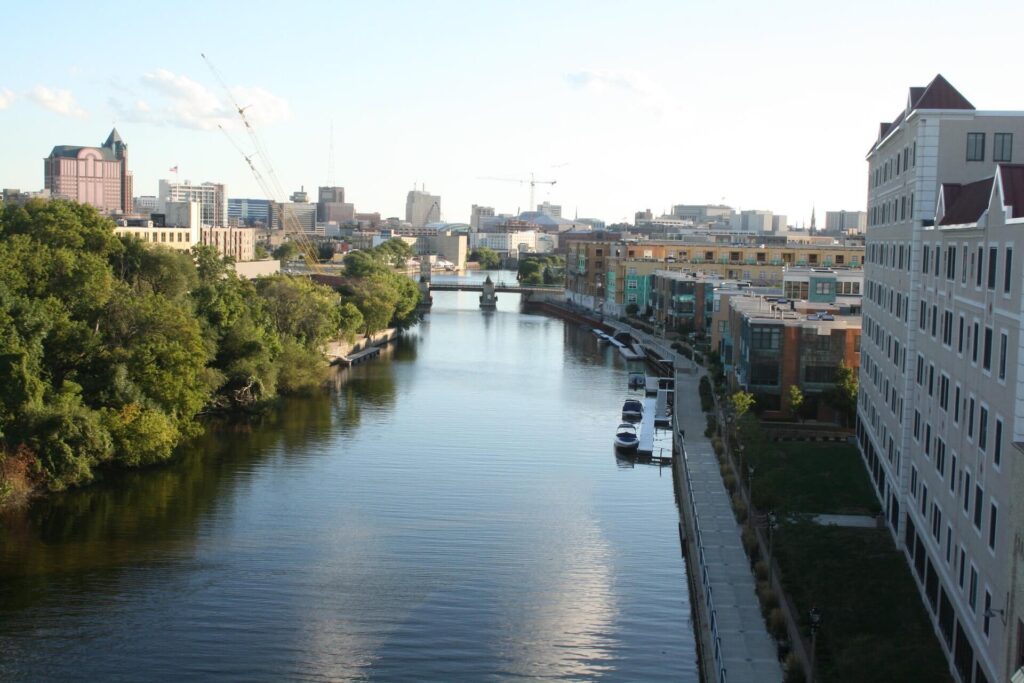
{"x": 109, "y": 349}
{"x": 486, "y": 257}
{"x": 382, "y": 297}
{"x": 541, "y": 269}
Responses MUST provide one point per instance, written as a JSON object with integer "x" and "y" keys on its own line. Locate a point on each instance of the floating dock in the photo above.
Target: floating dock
{"x": 360, "y": 356}
{"x": 646, "y": 432}
{"x": 662, "y": 412}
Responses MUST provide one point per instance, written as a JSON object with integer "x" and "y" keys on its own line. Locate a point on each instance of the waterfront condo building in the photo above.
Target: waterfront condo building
{"x": 91, "y": 175}
{"x": 941, "y": 403}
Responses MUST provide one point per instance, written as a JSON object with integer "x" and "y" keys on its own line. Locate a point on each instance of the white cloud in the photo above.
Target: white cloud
{"x": 177, "y": 100}
{"x": 59, "y": 101}
{"x": 634, "y": 86}
{"x": 6, "y": 97}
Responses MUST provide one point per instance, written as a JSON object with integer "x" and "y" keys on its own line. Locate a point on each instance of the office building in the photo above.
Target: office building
{"x": 212, "y": 198}
{"x": 250, "y": 212}
{"x": 293, "y": 216}
{"x": 549, "y": 209}
{"x": 846, "y": 221}
{"x": 91, "y": 175}
{"x": 700, "y": 214}
{"x": 235, "y": 243}
{"x": 331, "y": 206}
{"x": 422, "y": 208}
{"x": 752, "y": 221}
{"x": 477, "y": 213}
{"x": 940, "y": 394}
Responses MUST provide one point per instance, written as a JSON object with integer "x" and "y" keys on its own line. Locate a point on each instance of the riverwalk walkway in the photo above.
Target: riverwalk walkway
{"x": 735, "y": 645}
{"x": 738, "y": 642}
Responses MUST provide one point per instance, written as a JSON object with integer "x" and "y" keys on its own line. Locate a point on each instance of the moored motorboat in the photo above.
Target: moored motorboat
{"x": 626, "y": 438}
{"x": 632, "y": 410}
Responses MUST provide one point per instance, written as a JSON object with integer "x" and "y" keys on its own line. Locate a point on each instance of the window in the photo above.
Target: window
{"x": 993, "y": 253}
{"x": 926, "y": 259}
{"x": 988, "y": 607}
{"x": 944, "y": 392}
{"x": 970, "y": 418}
{"x": 986, "y": 358}
{"x": 764, "y": 374}
{"x": 975, "y": 147}
{"x": 1002, "y": 150}
{"x": 963, "y": 564}
{"x": 960, "y": 337}
{"x": 952, "y": 474}
{"x": 981, "y": 256}
{"x": 979, "y": 496}
{"x": 967, "y": 492}
{"x": 820, "y": 374}
{"x": 983, "y": 428}
{"x": 764, "y": 337}
{"x": 1002, "y": 356}
{"x": 992, "y": 512}
{"x": 974, "y": 350}
{"x": 1007, "y": 269}
{"x": 972, "y": 593}
{"x": 956, "y": 405}
{"x": 997, "y": 447}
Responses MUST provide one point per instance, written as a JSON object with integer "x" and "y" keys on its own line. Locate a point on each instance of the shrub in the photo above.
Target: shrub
{"x": 740, "y": 508}
{"x": 717, "y": 445}
{"x": 761, "y": 570}
{"x": 707, "y": 400}
{"x": 794, "y": 669}
{"x": 750, "y": 542}
{"x": 777, "y": 624}
{"x": 729, "y": 480}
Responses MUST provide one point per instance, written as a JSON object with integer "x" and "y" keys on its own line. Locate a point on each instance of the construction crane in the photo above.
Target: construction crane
{"x": 531, "y": 180}
{"x": 267, "y": 181}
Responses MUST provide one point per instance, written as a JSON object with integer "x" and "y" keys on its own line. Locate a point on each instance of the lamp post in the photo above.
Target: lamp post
{"x": 771, "y": 537}
{"x": 815, "y": 617}
{"x": 750, "y": 488}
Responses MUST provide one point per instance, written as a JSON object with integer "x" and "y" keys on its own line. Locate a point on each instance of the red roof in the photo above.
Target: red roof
{"x": 938, "y": 94}
{"x": 965, "y": 204}
{"x": 1011, "y": 177}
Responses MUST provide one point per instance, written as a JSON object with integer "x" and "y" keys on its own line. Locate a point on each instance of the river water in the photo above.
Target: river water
{"x": 453, "y": 511}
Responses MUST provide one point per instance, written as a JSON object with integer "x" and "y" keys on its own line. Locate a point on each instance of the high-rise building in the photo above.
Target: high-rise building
{"x": 779, "y": 223}
{"x": 248, "y": 211}
{"x": 422, "y": 208}
{"x": 940, "y": 391}
{"x": 91, "y": 175}
{"x": 293, "y": 216}
{"x": 703, "y": 213}
{"x": 846, "y": 221}
{"x": 212, "y": 198}
{"x": 752, "y": 221}
{"x": 478, "y": 212}
{"x": 549, "y": 209}
{"x": 331, "y": 206}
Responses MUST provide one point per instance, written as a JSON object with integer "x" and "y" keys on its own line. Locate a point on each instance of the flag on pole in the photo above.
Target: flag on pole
{"x": 174, "y": 169}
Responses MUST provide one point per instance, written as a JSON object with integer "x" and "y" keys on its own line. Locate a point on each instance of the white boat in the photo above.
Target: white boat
{"x": 626, "y": 438}
{"x": 632, "y": 410}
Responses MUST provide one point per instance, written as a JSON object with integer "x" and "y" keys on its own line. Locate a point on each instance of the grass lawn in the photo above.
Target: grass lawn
{"x": 874, "y": 625}
{"x": 810, "y": 477}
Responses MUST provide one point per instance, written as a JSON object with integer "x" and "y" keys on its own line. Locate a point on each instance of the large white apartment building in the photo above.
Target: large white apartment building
{"x": 212, "y": 198}
{"x": 941, "y": 402}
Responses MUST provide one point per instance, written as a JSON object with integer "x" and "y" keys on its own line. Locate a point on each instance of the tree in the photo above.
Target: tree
{"x": 395, "y": 252}
{"x": 632, "y": 310}
{"x": 286, "y": 252}
{"x": 486, "y": 257}
{"x": 796, "y": 399}
{"x": 350, "y": 321}
{"x": 842, "y": 396}
{"x": 301, "y": 308}
{"x": 741, "y": 401}
{"x": 260, "y": 252}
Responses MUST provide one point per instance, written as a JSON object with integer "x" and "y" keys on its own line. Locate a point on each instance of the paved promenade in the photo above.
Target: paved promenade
{"x": 744, "y": 649}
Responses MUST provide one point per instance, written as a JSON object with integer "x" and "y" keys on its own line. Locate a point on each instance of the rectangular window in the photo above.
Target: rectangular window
{"x": 974, "y": 349}
{"x": 960, "y": 337}
{"x": 986, "y": 358}
{"x": 986, "y": 623}
{"x": 1007, "y": 270}
{"x": 975, "y": 147}
{"x": 1002, "y": 356}
{"x": 979, "y": 496}
{"x": 981, "y": 257}
{"x": 972, "y": 592}
{"x": 997, "y": 447}
{"x": 993, "y": 255}
{"x": 952, "y": 474}
{"x": 765, "y": 337}
{"x": 956, "y": 405}
{"x": 992, "y": 511}
{"x": 963, "y": 564}
{"x": 1002, "y": 150}
{"x": 967, "y": 492}
{"x": 970, "y": 418}
{"x": 983, "y": 429}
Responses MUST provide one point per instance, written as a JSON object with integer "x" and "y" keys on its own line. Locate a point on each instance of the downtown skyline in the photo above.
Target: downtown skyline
{"x": 660, "y": 106}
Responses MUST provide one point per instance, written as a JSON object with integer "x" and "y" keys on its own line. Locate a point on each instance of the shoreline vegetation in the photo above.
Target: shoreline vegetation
{"x": 113, "y": 351}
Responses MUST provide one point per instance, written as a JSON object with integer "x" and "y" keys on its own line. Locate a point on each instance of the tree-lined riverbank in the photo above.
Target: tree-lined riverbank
{"x": 111, "y": 350}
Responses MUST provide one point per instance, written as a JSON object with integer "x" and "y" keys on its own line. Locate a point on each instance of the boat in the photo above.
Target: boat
{"x": 632, "y": 410}
{"x": 626, "y": 438}
{"x": 636, "y": 380}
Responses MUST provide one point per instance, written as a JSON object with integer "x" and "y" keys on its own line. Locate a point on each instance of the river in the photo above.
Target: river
{"x": 452, "y": 511}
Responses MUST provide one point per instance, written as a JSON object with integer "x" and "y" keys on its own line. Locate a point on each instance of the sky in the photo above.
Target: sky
{"x": 628, "y": 106}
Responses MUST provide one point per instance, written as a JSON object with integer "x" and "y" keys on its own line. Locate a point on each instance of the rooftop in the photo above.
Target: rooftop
{"x": 793, "y": 313}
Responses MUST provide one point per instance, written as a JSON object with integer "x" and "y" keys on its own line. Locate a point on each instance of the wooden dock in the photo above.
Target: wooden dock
{"x": 360, "y": 356}
{"x": 646, "y": 432}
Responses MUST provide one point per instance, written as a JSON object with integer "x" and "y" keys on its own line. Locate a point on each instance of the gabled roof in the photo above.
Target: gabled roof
{"x": 1011, "y": 180}
{"x": 965, "y": 204}
{"x": 71, "y": 152}
{"x": 938, "y": 94}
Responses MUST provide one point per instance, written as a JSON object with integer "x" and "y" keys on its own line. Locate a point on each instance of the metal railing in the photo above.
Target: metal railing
{"x": 709, "y": 598}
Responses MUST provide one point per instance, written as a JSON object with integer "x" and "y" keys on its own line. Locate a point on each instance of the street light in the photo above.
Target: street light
{"x": 815, "y": 618}
{"x": 771, "y": 536}
{"x": 750, "y": 487}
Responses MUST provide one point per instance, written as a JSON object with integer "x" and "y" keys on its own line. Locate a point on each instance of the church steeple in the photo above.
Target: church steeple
{"x": 813, "y": 223}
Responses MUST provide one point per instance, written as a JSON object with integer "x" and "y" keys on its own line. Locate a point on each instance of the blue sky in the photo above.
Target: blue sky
{"x": 629, "y": 106}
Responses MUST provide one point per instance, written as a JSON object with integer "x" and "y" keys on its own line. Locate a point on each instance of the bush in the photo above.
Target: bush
{"x": 761, "y": 570}
{"x": 707, "y": 400}
{"x": 769, "y": 600}
{"x": 717, "y": 445}
{"x": 712, "y": 426}
{"x": 729, "y": 480}
{"x": 777, "y": 624}
{"x": 794, "y": 669}
{"x": 749, "y": 542}
{"x": 740, "y": 508}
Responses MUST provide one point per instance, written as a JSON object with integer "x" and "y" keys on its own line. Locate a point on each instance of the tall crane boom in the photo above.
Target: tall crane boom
{"x": 522, "y": 181}
{"x": 268, "y": 181}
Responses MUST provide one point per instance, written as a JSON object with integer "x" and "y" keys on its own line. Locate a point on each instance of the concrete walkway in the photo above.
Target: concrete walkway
{"x": 744, "y": 649}
{"x": 848, "y": 521}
